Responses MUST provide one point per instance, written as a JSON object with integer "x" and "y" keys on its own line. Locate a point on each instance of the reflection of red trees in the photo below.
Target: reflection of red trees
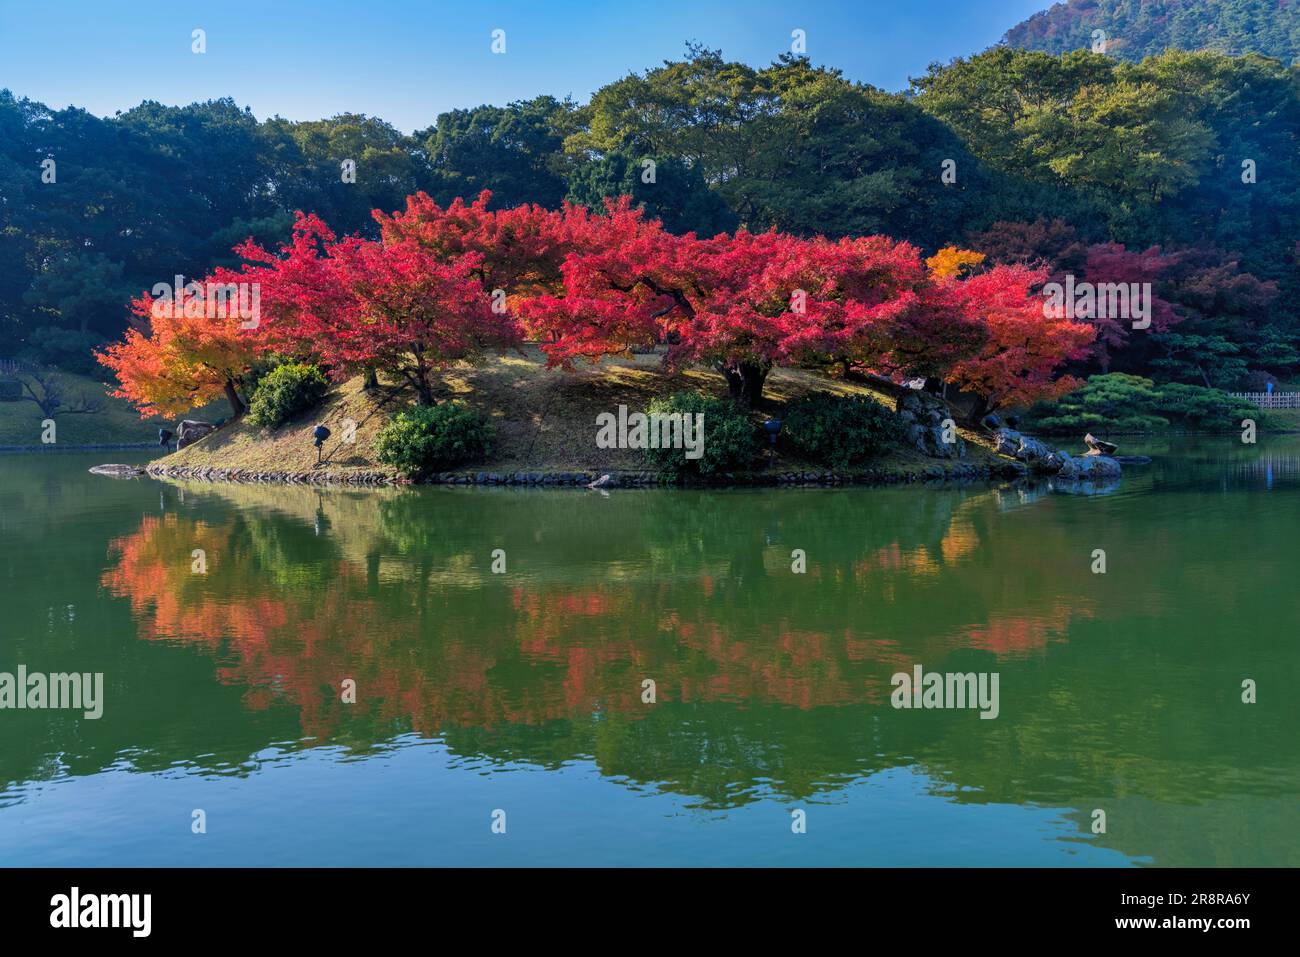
{"x": 433, "y": 657}
{"x": 1020, "y": 635}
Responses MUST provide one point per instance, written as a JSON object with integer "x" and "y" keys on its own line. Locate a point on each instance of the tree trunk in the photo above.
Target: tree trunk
{"x": 419, "y": 377}
{"x": 982, "y": 407}
{"x": 745, "y": 382}
{"x": 371, "y": 380}
{"x": 236, "y": 403}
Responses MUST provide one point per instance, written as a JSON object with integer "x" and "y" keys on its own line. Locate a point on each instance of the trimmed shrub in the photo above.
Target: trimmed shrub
{"x": 840, "y": 431}
{"x": 730, "y": 440}
{"x": 427, "y": 438}
{"x": 1118, "y": 402}
{"x": 286, "y": 391}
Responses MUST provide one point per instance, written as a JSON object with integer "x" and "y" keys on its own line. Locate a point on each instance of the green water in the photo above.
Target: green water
{"x": 523, "y": 691}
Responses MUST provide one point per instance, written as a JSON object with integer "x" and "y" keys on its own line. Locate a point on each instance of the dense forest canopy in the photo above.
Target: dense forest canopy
{"x": 1136, "y": 29}
{"x": 1180, "y": 170}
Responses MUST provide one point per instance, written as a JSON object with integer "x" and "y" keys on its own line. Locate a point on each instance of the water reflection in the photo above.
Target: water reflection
{"x": 1118, "y": 690}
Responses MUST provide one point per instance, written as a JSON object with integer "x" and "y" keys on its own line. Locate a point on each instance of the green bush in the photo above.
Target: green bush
{"x": 1118, "y": 402}
{"x": 425, "y": 439}
{"x": 286, "y": 391}
{"x": 730, "y": 440}
{"x": 840, "y": 431}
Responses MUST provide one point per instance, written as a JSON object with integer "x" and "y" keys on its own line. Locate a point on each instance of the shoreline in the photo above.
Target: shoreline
{"x": 777, "y": 478}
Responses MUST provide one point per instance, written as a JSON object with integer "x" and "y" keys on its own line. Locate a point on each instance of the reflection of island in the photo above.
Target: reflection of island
{"x": 765, "y": 679}
{"x": 408, "y": 607}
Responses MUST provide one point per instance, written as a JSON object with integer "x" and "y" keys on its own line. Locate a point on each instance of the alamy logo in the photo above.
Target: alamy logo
{"x": 1106, "y": 300}
{"x": 58, "y": 690}
{"x": 946, "y": 690}
{"x": 210, "y": 300}
{"x": 103, "y": 910}
{"x": 658, "y": 430}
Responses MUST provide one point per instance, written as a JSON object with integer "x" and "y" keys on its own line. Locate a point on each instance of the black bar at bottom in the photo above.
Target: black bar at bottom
{"x": 301, "y": 905}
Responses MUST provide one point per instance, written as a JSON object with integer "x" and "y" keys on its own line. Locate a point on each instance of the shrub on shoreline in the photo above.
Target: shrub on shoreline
{"x": 730, "y": 439}
{"x": 840, "y": 431}
{"x": 424, "y": 439}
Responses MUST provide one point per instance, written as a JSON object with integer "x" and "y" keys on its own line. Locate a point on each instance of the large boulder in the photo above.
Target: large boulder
{"x": 191, "y": 430}
{"x": 1036, "y": 454}
{"x": 928, "y": 439}
{"x": 1040, "y": 456}
{"x": 1006, "y": 442}
{"x": 923, "y": 416}
{"x": 1090, "y": 468}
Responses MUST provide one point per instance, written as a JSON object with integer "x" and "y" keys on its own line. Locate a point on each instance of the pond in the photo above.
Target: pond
{"x": 503, "y": 646}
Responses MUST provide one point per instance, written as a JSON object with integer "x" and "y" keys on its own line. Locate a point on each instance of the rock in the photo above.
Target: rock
{"x": 1036, "y": 454}
{"x": 118, "y": 471}
{"x": 605, "y": 481}
{"x": 191, "y": 430}
{"x": 1099, "y": 447}
{"x": 929, "y": 440}
{"x": 1006, "y": 442}
{"x": 1040, "y": 456}
{"x": 991, "y": 422}
{"x": 1090, "y": 468}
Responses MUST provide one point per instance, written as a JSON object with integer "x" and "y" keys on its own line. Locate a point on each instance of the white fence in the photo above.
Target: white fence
{"x": 1270, "y": 400}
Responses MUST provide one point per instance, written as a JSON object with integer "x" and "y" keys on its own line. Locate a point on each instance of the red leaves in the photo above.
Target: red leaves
{"x": 1025, "y": 345}
{"x": 442, "y": 285}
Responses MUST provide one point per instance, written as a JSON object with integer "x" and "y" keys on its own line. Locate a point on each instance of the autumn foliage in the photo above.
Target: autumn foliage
{"x": 441, "y": 285}
{"x": 183, "y": 357}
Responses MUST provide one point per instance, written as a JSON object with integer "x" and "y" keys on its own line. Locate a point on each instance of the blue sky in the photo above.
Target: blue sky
{"x": 406, "y": 60}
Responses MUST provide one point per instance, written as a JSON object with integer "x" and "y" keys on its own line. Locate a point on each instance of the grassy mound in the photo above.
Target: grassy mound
{"x": 545, "y": 419}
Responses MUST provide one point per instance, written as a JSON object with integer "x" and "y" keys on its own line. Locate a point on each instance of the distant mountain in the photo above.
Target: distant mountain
{"x": 1139, "y": 28}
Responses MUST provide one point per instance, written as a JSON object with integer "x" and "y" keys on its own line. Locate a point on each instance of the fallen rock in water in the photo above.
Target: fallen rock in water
{"x": 118, "y": 471}
{"x": 605, "y": 481}
{"x": 1090, "y": 468}
{"x": 190, "y": 431}
{"x": 1098, "y": 446}
{"x": 1040, "y": 456}
{"x": 1035, "y": 453}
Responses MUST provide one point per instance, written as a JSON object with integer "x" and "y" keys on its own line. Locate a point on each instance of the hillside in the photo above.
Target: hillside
{"x": 545, "y": 419}
{"x": 1140, "y": 28}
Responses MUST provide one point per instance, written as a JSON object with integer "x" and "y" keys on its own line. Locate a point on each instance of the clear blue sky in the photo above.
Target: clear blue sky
{"x": 408, "y": 60}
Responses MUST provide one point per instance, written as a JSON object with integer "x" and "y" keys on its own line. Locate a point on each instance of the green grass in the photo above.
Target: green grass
{"x": 117, "y": 423}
